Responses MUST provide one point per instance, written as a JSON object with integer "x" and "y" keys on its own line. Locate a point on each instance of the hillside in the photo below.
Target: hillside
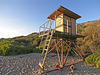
{"x": 30, "y": 43}
{"x": 91, "y": 42}
{"x": 20, "y": 45}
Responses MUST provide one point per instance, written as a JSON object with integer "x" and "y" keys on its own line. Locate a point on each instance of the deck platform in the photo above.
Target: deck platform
{"x": 62, "y": 35}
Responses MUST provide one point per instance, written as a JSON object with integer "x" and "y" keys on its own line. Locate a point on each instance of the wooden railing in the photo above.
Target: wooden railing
{"x": 46, "y": 27}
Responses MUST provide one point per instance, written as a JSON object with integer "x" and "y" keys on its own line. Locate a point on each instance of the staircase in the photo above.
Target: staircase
{"x": 46, "y": 47}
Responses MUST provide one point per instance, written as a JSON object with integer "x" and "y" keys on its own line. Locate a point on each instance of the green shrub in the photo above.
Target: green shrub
{"x": 94, "y": 59}
{"x": 89, "y": 59}
{"x": 84, "y": 26}
{"x": 20, "y": 45}
{"x": 97, "y": 59}
{"x": 98, "y": 64}
{"x": 14, "y": 47}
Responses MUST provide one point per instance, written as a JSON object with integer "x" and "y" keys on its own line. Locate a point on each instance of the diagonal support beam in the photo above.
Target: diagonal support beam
{"x": 54, "y": 47}
{"x": 74, "y": 51}
{"x": 67, "y": 53}
{"x": 66, "y": 50}
{"x": 78, "y": 51}
{"x": 67, "y": 45}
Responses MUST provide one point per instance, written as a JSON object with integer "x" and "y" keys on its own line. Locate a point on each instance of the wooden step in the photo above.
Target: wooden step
{"x": 45, "y": 49}
{"x": 48, "y": 40}
{"x": 50, "y": 35}
{"x": 46, "y": 44}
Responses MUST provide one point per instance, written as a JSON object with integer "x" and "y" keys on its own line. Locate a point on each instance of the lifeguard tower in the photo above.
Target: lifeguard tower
{"x": 61, "y": 28}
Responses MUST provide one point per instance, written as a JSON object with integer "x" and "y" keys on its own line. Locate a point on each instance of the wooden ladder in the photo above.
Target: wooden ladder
{"x": 46, "y": 47}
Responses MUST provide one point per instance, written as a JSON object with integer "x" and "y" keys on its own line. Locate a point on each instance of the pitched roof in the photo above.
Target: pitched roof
{"x": 65, "y": 11}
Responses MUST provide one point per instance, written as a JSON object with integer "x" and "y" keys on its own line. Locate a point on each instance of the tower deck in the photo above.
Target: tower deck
{"x": 62, "y": 35}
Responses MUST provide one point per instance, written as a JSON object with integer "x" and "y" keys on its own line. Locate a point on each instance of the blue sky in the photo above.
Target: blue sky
{"x": 23, "y": 17}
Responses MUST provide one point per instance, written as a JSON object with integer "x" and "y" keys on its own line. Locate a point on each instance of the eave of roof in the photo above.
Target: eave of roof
{"x": 65, "y": 11}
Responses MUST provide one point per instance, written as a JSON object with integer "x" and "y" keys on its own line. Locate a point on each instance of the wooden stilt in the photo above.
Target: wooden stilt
{"x": 62, "y": 52}
{"x": 58, "y": 54}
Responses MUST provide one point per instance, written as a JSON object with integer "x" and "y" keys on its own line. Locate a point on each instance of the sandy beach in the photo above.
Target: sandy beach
{"x": 27, "y": 64}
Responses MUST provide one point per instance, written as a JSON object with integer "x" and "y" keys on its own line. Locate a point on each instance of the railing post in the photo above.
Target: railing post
{"x": 67, "y": 26}
{"x": 83, "y": 30}
{"x": 50, "y": 25}
{"x": 44, "y": 28}
{"x": 55, "y": 22}
{"x": 39, "y": 31}
{"x": 76, "y": 28}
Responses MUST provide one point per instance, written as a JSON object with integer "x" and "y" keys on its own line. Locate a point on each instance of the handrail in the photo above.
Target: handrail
{"x": 44, "y": 23}
{"x": 46, "y": 26}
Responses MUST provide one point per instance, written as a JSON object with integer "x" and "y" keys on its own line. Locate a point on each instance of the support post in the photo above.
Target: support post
{"x": 55, "y": 22}
{"x": 39, "y": 31}
{"x": 62, "y": 52}
{"x": 44, "y": 30}
{"x": 50, "y": 25}
{"x": 67, "y": 26}
{"x": 58, "y": 54}
{"x": 76, "y": 28}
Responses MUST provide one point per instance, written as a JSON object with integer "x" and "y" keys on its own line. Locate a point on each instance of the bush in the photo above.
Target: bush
{"x": 17, "y": 46}
{"x": 94, "y": 59}
{"x": 89, "y": 59}
{"x": 98, "y": 64}
{"x": 97, "y": 59}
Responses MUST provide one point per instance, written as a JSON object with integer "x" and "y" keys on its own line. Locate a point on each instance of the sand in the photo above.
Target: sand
{"x": 27, "y": 64}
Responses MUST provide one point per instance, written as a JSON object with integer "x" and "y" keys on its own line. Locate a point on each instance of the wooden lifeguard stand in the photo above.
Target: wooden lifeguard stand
{"x": 60, "y": 27}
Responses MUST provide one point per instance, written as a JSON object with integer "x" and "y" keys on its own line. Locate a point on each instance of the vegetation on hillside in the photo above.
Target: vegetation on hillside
{"x": 19, "y": 45}
{"x": 91, "y": 41}
{"x": 94, "y": 59}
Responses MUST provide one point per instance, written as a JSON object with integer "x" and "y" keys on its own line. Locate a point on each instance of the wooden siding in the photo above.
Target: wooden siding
{"x": 59, "y": 22}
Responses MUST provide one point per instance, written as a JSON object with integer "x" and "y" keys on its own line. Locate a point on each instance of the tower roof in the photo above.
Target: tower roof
{"x": 65, "y": 11}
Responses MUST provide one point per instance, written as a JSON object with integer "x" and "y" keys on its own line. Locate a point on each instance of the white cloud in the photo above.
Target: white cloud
{"x": 8, "y": 32}
{"x": 11, "y": 28}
